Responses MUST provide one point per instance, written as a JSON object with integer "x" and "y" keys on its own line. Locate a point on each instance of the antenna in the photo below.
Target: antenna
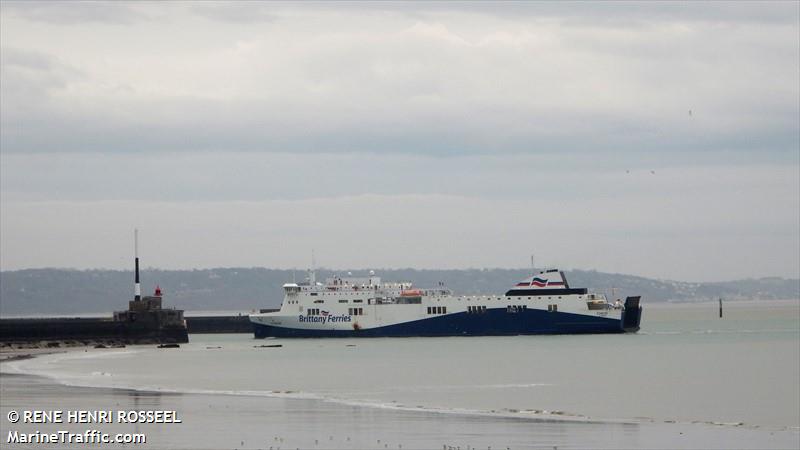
{"x": 533, "y": 264}
{"x": 137, "y": 290}
{"x": 312, "y": 278}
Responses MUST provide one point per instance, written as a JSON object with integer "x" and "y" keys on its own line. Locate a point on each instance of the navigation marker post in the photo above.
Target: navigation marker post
{"x": 137, "y": 289}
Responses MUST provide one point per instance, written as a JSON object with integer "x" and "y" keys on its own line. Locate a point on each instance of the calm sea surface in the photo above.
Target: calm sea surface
{"x": 685, "y": 365}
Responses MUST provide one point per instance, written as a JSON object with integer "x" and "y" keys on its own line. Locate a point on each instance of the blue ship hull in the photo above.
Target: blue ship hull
{"x": 494, "y": 322}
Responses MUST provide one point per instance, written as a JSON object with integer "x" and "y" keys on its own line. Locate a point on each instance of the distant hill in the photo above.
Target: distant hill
{"x": 64, "y": 291}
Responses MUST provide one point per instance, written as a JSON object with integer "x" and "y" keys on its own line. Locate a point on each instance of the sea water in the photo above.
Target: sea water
{"x": 686, "y": 365}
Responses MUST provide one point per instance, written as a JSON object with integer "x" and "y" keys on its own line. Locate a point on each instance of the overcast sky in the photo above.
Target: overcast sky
{"x": 656, "y": 139}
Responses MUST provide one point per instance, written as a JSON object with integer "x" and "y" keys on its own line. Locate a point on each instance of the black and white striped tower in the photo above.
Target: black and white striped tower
{"x": 137, "y": 290}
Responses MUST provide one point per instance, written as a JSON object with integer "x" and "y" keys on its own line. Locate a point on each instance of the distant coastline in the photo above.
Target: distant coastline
{"x": 70, "y": 292}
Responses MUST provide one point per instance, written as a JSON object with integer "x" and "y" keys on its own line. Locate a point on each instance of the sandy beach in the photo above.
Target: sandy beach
{"x": 257, "y": 422}
{"x": 220, "y": 421}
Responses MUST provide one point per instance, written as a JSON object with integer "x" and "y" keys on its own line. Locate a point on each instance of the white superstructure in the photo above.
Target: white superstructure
{"x": 353, "y": 306}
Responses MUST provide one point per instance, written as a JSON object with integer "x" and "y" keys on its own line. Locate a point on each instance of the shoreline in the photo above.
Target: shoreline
{"x": 23, "y": 353}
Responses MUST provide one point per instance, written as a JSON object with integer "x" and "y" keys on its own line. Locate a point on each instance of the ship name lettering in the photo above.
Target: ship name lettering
{"x": 324, "y": 319}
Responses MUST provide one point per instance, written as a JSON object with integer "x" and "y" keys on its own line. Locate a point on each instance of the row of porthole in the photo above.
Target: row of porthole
{"x": 499, "y": 298}
{"x": 438, "y": 299}
{"x": 337, "y": 293}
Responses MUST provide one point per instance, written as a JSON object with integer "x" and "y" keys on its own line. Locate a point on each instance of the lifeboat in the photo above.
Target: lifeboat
{"x": 411, "y": 293}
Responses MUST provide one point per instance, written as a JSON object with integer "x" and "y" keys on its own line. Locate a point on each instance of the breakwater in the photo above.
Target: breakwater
{"x": 219, "y": 324}
{"x": 106, "y": 331}
{"x": 87, "y": 331}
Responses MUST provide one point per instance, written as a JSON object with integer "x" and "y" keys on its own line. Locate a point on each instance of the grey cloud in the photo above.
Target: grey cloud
{"x": 16, "y": 59}
{"x": 416, "y": 87}
{"x": 74, "y": 13}
{"x": 570, "y": 13}
{"x": 235, "y": 12}
{"x": 30, "y": 60}
{"x": 582, "y": 13}
{"x": 29, "y": 81}
{"x": 206, "y": 125}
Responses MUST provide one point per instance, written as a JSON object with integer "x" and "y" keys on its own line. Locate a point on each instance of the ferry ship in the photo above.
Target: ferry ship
{"x": 544, "y": 303}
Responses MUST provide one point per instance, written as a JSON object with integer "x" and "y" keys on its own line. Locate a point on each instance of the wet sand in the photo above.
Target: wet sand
{"x": 240, "y": 421}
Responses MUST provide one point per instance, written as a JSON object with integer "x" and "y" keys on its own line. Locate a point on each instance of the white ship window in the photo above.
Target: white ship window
{"x": 358, "y": 301}
{"x": 343, "y": 301}
{"x": 319, "y": 301}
